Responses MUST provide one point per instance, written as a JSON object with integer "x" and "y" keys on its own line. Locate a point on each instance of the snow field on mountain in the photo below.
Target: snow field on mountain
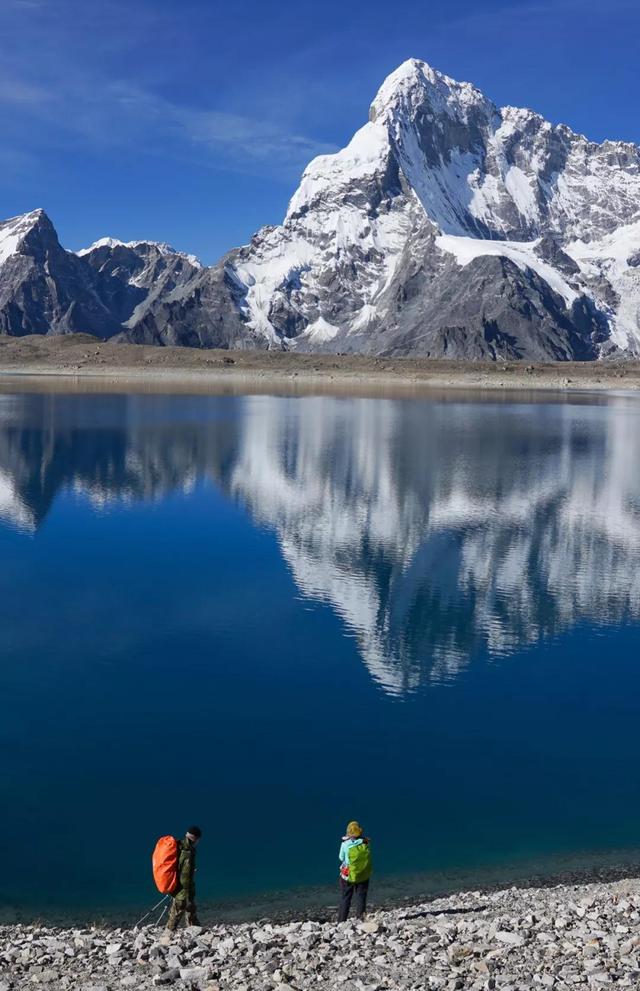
{"x": 12, "y": 232}
{"x": 322, "y": 227}
{"x": 9, "y": 241}
{"x": 365, "y": 155}
{"x": 610, "y": 257}
{"x": 522, "y": 253}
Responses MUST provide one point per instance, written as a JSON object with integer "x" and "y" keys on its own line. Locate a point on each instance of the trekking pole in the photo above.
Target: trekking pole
{"x": 161, "y": 915}
{"x": 151, "y": 910}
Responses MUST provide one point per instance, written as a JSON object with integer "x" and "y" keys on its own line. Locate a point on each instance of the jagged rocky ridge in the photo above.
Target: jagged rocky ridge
{"x": 101, "y": 290}
{"x": 447, "y": 227}
{"x": 585, "y": 936}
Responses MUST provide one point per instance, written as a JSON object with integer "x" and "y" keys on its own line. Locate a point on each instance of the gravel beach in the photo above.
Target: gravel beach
{"x": 518, "y": 939}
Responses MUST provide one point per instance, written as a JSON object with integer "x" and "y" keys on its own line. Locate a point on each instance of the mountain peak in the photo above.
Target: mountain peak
{"x": 14, "y": 230}
{"x": 110, "y": 243}
{"x": 103, "y": 242}
{"x": 25, "y": 221}
{"x": 417, "y": 85}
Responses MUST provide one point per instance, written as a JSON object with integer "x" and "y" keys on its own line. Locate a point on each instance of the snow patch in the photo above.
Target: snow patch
{"x": 609, "y": 258}
{"x": 519, "y": 187}
{"x": 13, "y": 231}
{"x": 319, "y": 331}
{"x": 161, "y": 246}
{"x": 366, "y": 154}
{"x": 522, "y": 253}
{"x": 9, "y": 242}
{"x": 103, "y": 242}
{"x": 366, "y": 315}
{"x": 279, "y": 261}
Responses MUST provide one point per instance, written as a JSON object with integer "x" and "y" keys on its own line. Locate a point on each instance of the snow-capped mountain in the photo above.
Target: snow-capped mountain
{"x": 446, "y": 227}
{"x": 45, "y": 289}
{"x": 134, "y": 275}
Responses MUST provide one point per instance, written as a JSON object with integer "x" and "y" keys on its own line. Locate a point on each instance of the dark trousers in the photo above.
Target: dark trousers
{"x": 347, "y": 892}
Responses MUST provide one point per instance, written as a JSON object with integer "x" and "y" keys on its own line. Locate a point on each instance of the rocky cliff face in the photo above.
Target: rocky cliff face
{"x": 47, "y": 290}
{"x": 133, "y": 277}
{"x": 43, "y": 288}
{"x": 447, "y": 227}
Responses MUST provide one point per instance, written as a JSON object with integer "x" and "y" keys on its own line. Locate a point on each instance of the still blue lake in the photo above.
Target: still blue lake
{"x": 270, "y": 615}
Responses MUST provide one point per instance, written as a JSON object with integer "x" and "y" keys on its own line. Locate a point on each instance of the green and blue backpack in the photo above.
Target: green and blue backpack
{"x": 359, "y": 855}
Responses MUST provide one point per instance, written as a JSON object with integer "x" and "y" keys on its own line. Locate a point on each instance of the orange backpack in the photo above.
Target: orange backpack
{"x": 165, "y": 864}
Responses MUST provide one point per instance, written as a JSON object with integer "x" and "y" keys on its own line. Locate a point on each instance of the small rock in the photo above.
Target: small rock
{"x": 194, "y": 975}
{"x": 510, "y": 938}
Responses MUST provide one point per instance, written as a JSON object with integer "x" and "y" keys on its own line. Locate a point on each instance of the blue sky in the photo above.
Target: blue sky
{"x": 191, "y": 121}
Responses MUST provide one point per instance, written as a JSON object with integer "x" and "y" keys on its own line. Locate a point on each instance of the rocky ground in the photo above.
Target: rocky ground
{"x": 585, "y": 936}
{"x": 82, "y": 360}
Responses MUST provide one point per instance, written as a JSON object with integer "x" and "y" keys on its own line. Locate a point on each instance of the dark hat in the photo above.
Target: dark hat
{"x": 195, "y": 831}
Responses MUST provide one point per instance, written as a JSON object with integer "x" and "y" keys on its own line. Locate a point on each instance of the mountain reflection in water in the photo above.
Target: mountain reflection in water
{"x": 433, "y": 529}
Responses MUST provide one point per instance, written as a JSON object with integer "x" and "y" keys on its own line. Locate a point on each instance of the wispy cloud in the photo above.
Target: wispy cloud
{"x": 25, "y": 5}
{"x": 120, "y": 114}
{"x": 540, "y": 8}
{"x": 15, "y": 164}
{"x": 85, "y": 75}
{"x": 21, "y": 93}
{"x": 223, "y": 137}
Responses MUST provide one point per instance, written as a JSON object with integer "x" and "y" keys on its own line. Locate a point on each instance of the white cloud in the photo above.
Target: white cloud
{"x": 101, "y": 114}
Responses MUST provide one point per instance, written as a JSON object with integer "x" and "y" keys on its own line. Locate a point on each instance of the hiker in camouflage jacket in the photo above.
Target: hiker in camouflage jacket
{"x": 184, "y": 900}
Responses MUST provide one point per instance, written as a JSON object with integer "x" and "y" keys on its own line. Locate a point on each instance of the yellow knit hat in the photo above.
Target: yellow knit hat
{"x": 354, "y": 829}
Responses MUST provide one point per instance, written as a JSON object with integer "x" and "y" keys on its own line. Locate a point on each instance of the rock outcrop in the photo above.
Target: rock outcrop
{"x": 45, "y": 289}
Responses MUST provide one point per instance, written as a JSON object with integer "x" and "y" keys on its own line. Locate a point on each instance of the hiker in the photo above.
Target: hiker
{"x": 184, "y": 898}
{"x": 355, "y": 871}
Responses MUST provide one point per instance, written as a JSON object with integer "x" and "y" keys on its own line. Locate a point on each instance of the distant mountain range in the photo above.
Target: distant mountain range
{"x": 447, "y": 227}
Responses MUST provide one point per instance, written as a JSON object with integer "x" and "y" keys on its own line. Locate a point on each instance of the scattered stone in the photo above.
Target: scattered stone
{"x": 512, "y": 939}
{"x": 559, "y": 938}
{"x": 194, "y": 976}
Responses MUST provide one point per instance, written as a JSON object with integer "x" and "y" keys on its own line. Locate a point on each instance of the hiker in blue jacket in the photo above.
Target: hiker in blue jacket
{"x": 355, "y": 871}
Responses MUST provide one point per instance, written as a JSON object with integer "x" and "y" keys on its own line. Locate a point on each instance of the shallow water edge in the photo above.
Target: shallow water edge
{"x": 386, "y": 893}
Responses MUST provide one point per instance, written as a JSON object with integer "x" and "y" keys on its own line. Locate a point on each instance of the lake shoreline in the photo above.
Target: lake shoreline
{"x": 555, "y": 937}
{"x": 78, "y": 361}
{"x": 319, "y": 903}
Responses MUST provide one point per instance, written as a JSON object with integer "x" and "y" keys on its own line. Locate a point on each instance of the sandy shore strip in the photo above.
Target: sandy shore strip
{"x": 79, "y": 360}
{"x": 518, "y": 939}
